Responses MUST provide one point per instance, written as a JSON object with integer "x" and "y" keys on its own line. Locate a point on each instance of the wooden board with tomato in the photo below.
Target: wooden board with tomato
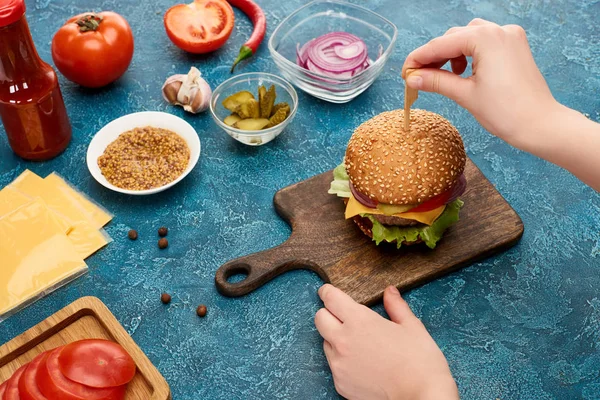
{"x": 75, "y": 345}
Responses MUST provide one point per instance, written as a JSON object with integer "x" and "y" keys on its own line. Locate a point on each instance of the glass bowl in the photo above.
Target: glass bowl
{"x": 318, "y": 18}
{"x": 250, "y": 82}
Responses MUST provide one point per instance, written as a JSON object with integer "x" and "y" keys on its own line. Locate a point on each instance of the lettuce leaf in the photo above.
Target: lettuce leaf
{"x": 429, "y": 234}
{"x": 341, "y": 182}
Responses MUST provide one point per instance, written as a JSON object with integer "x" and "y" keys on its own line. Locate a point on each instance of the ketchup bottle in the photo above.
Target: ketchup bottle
{"x": 31, "y": 106}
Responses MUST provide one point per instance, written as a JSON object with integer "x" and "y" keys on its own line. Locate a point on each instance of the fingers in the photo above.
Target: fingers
{"x": 337, "y": 302}
{"x": 443, "y": 82}
{"x": 328, "y": 349}
{"x": 397, "y": 309}
{"x": 327, "y": 324}
{"x": 479, "y": 22}
{"x": 461, "y": 43}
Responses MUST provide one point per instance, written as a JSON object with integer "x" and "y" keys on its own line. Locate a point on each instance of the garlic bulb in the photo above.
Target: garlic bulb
{"x": 190, "y": 91}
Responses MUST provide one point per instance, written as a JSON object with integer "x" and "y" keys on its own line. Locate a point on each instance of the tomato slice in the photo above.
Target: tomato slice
{"x": 199, "y": 27}
{"x": 28, "y": 388}
{"x": 97, "y": 363}
{"x": 3, "y": 389}
{"x": 433, "y": 203}
{"x": 54, "y": 385}
{"x": 12, "y": 385}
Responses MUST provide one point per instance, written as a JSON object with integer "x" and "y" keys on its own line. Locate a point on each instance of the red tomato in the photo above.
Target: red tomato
{"x": 433, "y": 203}
{"x": 97, "y": 363}
{"x": 199, "y": 27}
{"x": 3, "y": 389}
{"x": 93, "y": 50}
{"x": 12, "y": 385}
{"x": 54, "y": 385}
{"x": 28, "y": 388}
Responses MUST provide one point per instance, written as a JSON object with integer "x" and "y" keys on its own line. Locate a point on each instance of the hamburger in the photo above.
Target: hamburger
{"x": 403, "y": 187}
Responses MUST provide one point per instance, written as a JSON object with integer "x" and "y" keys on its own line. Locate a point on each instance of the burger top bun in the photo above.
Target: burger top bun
{"x": 392, "y": 166}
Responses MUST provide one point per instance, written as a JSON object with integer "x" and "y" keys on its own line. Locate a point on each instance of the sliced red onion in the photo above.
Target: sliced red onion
{"x": 351, "y": 51}
{"x": 320, "y": 56}
{"x": 458, "y": 189}
{"x": 340, "y": 75}
{"x": 362, "y": 199}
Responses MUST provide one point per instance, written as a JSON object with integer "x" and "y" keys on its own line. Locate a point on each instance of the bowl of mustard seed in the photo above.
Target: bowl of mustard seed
{"x": 143, "y": 153}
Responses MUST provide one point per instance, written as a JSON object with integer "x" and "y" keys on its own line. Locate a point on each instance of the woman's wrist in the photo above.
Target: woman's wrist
{"x": 568, "y": 139}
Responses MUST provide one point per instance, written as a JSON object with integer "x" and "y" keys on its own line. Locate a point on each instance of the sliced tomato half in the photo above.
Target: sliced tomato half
{"x": 201, "y": 26}
{"x": 54, "y": 385}
{"x": 3, "y": 389}
{"x": 12, "y": 385}
{"x": 97, "y": 363}
{"x": 28, "y": 388}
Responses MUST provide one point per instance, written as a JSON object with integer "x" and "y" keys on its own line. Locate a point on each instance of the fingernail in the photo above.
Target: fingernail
{"x": 414, "y": 81}
{"x": 393, "y": 290}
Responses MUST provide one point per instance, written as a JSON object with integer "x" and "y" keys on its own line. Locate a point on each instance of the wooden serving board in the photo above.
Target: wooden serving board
{"x": 86, "y": 318}
{"x": 335, "y": 248}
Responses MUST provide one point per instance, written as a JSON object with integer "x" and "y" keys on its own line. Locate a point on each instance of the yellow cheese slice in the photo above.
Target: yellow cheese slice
{"x": 354, "y": 207}
{"x": 99, "y": 216}
{"x": 11, "y": 199}
{"x": 84, "y": 233}
{"x": 36, "y": 256}
{"x": 34, "y": 186}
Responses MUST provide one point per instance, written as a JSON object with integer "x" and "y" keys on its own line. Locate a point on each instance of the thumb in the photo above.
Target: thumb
{"x": 395, "y": 306}
{"x": 441, "y": 81}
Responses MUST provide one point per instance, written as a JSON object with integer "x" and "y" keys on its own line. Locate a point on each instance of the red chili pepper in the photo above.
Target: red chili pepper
{"x": 257, "y": 16}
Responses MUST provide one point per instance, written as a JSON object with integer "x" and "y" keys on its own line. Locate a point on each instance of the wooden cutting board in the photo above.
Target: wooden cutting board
{"x": 324, "y": 242}
{"x": 85, "y": 318}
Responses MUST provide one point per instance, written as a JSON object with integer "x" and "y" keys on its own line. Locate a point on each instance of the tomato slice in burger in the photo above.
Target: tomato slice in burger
{"x": 201, "y": 26}
{"x": 28, "y": 388}
{"x": 433, "y": 203}
{"x": 12, "y": 385}
{"x": 3, "y": 389}
{"x": 96, "y": 363}
{"x": 54, "y": 385}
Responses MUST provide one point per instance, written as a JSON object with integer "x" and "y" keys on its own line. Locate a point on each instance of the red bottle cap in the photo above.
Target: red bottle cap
{"x": 11, "y": 11}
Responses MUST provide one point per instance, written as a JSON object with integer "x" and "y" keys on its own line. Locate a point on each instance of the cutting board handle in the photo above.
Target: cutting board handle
{"x": 261, "y": 267}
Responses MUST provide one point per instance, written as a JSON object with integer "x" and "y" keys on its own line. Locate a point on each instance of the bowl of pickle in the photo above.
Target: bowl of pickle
{"x": 254, "y": 108}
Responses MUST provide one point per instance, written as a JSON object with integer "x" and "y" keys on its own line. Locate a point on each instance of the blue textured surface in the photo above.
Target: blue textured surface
{"x": 522, "y": 325}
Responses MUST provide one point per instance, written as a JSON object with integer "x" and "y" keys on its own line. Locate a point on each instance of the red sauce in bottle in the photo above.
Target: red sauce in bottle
{"x": 31, "y": 106}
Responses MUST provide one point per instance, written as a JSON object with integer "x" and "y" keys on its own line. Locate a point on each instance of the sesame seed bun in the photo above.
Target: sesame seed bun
{"x": 394, "y": 167}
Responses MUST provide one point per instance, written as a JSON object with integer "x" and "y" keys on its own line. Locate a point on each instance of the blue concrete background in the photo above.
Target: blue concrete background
{"x": 522, "y": 325}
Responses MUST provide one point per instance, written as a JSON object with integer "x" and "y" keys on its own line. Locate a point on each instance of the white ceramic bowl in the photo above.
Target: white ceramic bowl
{"x": 113, "y": 129}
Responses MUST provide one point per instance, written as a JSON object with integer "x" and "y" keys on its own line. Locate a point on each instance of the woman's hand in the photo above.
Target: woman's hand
{"x": 374, "y": 358}
{"x": 506, "y": 93}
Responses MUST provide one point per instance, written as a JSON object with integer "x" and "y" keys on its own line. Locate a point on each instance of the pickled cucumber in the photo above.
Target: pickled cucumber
{"x": 251, "y": 124}
{"x": 283, "y": 105}
{"x": 231, "y": 119}
{"x": 266, "y": 99}
{"x": 249, "y": 109}
{"x": 237, "y": 99}
{"x": 277, "y": 118}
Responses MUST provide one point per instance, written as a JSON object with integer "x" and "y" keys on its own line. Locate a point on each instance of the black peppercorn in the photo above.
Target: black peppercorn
{"x": 201, "y": 310}
{"x": 132, "y": 234}
{"x": 165, "y": 298}
{"x": 163, "y": 243}
{"x": 162, "y": 232}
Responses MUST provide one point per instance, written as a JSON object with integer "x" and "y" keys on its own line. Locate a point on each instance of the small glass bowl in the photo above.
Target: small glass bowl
{"x": 318, "y": 18}
{"x": 250, "y": 82}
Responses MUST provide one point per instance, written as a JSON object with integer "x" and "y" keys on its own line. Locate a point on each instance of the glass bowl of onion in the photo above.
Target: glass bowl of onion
{"x": 331, "y": 49}
{"x": 272, "y": 99}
